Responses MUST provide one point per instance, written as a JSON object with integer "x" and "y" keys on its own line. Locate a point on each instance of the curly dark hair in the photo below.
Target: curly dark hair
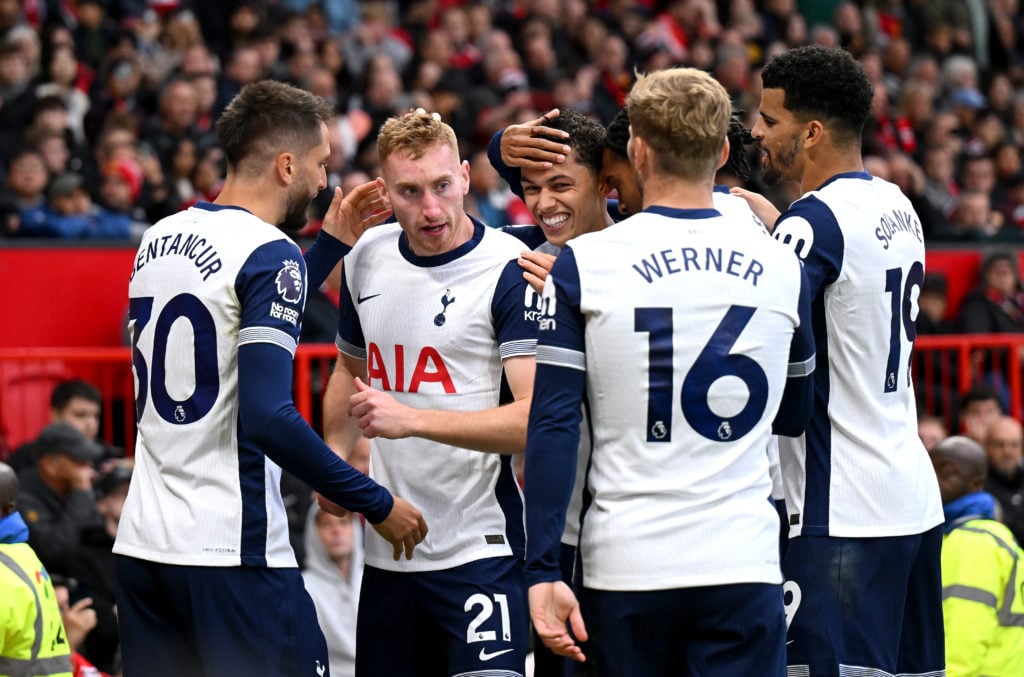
{"x": 618, "y": 134}
{"x": 740, "y": 139}
{"x": 825, "y": 83}
{"x": 586, "y": 136}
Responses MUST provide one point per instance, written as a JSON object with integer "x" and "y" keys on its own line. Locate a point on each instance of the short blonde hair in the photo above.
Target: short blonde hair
{"x": 683, "y": 115}
{"x": 414, "y": 134}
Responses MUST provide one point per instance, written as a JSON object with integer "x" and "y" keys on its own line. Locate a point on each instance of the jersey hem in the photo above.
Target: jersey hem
{"x": 735, "y": 577}
{"x": 866, "y": 532}
{"x": 178, "y": 559}
{"x": 412, "y": 566}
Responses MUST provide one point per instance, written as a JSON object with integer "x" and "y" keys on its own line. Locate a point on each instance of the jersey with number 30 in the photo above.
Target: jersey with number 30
{"x": 204, "y": 282}
{"x": 682, "y": 323}
{"x": 860, "y": 469}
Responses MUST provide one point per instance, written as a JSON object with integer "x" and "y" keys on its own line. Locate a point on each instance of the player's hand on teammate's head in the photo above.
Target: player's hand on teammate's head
{"x": 536, "y": 266}
{"x": 349, "y": 216}
{"x": 404, "y": 528}
{"x": 525, "y": 145}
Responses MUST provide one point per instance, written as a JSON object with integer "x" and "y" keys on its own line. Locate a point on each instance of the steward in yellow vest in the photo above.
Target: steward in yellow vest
{"x": 32, "y": 640}
{"x": 982, "y": 570}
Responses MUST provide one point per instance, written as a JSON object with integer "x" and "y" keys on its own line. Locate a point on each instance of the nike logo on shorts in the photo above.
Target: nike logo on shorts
{"x": 484, "y": 656}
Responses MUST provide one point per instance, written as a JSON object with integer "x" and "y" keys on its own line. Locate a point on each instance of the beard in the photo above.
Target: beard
{"x": 774, "y": 168}
{"x": 295, "y": 218}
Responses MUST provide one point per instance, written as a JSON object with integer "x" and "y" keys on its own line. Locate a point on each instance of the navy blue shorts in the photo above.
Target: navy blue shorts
{"x": 736, "y": 630}
{"x": 223, "y": 621}
{"x": 867, "y": 604}
{"x": 472, "y": 619}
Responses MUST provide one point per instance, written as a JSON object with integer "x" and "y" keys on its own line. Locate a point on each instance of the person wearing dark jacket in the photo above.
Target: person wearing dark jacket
{"x": 93, "y": 566}
{"x": 57, "y": 500}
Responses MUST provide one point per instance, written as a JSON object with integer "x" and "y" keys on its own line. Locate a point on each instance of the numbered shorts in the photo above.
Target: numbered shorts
{"x": 470, "y": 620}
{"x": 864, "y": 606}
{"x": 224, "y": 621}
{"x": 736, "y": 630}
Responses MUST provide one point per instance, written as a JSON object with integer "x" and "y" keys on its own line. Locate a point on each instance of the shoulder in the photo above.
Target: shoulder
{"x": 531, "y": 236}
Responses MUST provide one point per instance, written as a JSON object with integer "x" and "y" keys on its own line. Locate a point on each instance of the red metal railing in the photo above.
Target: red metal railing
{"x": 28, "y": 375}
{"x": 944, "y": 367}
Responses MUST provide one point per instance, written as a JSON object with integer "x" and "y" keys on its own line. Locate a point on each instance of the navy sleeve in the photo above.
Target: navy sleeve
{"x": 512, "y": 175}
{"x": 798, "y": 395}
{"x": 322, "y": 256}
{"x": 810, "y": 228}
{"x": 515, "y": 324}
{"x": 350, "y": 333}
{"x": 268, "y": 418}
{"x": 271, "y": 287}
{"x": 552, "y": 437}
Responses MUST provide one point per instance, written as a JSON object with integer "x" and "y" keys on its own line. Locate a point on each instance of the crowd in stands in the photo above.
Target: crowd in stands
{"x": 108, "y": 106}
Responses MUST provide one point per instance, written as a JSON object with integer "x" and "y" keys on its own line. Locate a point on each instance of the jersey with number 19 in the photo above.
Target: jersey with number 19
{"x": 860, "y": 469}
{"x": 686, "y": 320}
{"x": 204, "y": 282}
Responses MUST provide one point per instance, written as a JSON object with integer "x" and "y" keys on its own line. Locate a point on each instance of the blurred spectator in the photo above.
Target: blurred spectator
{"x": 70, "y": 213}
{"x": 973, "y": 219}
{"x": 979, "y": 409}
{"x": 1005, "y": 448}
{"x": 15, "y": 93}
{"x": 931, "y": 430}
{"x": 333, "y": 573}
{"x": 62, "y": 79}
{"x": 93, "y": 33}
{"x": 932, "y": 302}
{"x": 375, "y": 35}
{"x": 121, "y": 182}
{"x": 57, "y": 500}
{"x": 490, "y": 197}
{"x": 118, "y": 92}
{"x": 27, "y": 178}
{"x": 996, "y": 305}
{"x": 79, "y": 620}
{"x": 78, "y": 403}
{"x": 940, "y": 188}
{"x": 93, "y": 565}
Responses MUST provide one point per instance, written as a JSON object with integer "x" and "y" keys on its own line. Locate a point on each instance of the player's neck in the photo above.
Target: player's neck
{"x": 252, "y": 196}
{"x": 677, "y": 193}
{"x": 834, "y": 161}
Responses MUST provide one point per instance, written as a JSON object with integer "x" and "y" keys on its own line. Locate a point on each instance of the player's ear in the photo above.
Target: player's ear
{"x": 285, "y": 168}
{"x": 724, "y": 155}
{"x": 382, "y": 190}
{"x": 465, "y": 177}
{"x": 814, "y": 132}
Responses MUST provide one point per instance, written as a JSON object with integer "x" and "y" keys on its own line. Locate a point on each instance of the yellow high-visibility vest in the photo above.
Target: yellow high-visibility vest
{"x": 32, "y": 638}
{"x": 983, "y": 601}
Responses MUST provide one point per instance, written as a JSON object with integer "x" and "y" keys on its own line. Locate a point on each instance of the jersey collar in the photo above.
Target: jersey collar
{"x": 447, "y": 257}
{"x": 677, "y": 213}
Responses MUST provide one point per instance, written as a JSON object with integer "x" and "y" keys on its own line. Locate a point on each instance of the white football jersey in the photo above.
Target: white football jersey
{"x": 204, "y": 282}
{"x": 683, "y": 327}
{"x": 434, "y": 331}
{"x": 860, "y": 469}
